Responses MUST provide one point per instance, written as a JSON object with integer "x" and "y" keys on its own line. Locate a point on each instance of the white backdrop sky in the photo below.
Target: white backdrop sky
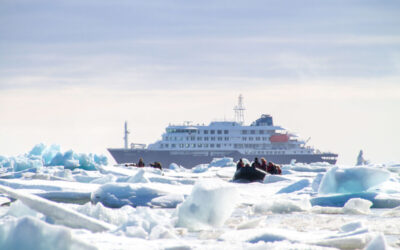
{"x": 71, "y": 72}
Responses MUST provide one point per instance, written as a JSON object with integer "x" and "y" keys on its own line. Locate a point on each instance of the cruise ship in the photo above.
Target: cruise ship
{"x": 188, "y": 144}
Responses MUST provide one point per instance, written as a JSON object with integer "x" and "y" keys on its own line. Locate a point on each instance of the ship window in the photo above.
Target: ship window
{"x": 206, "y": 138}
{"x": 212, "y": 138}
{"x": 219, "y": 132}
{"x": 193, "y": 138}
{"x": 206, "y": 145}
{"x": 187, "y": 145}
{"x": 264, "y": 138}
{"x": 258, "y": 138}
{"x": 218, "y": 145}
{"x": 211, "y": 145}
{"x": 212, "y": 132}
{"x": 244, "y": 132}
{"x": 219, "y": 138}
{"x": 199, "y": 145}
{"x": 199, "y": 138}
{"x": 173, "y": 145}
{"x": 252, "y": 132}
{"x": 261, "y": 132}
{"x": 250, "y": 138}
{"x": 193, "y": 145}
{"x": 226, "y": 138}
{"x": 166, "y": 145}
{"x": 226, "y": 132}
{"x": 181, "y": 145}
{"x": 244, "y": 138}
{"x": 205, "y": 132}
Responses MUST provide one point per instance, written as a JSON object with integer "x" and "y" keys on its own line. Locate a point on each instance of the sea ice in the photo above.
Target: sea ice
{"x": 176, "y": 167}
{"x": 352, "y": 226}
{"x": 57, "y": 212}
{"x": 317, "y": 180}
{"x": 116, "y": 195}
{"x": 19, "y": 209}
{"x": 378, "y": 243}
{"x": 357, "y": 206}
{"x": 139, "y": 177}
{"x": 117, "y": 217}
{"x": 378, "y": 200}
{"x": 209, "y": 205}
{"x": 300, "y": 167}
{"x": 267, "y": 237}
{"x": 201, "y": 168}
{"x": 42, "y": 155}
{"x": 21, "y": 163}
{"x": 351, "y": 180}
{"x": 168, "y": 201}
{"x": 33, "y": 234}
{"x": 109, "y": 178}
{"x": 143, "y": 222}
{"x": 49, "y": 153}
{"x": 37, "y": 150}
{"x": 274, "y": 178}
{"x": 298, "y": 185}
{"x": 357, "y": 241}
{"x": 222, "y": 162}
{"x": 282, "y": 206}
{"x": 340, "y": 199}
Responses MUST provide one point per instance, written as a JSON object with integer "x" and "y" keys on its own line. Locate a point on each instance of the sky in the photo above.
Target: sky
{"x": 71, "y": 72}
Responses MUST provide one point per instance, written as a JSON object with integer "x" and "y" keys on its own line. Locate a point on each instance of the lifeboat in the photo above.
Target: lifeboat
{"x": 279, "y": 138}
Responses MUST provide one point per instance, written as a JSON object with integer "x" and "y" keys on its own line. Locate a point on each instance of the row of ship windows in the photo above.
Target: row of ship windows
{"x": 211, "y": 145}
{"x": 253, "y": 132}
{"x": 212, "y": 138}
{"x": 219, "y": 132}
{"x": 193, "y": 138}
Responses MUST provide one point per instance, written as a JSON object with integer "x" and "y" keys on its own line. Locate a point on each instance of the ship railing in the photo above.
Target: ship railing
{"x": 138, "y": 146}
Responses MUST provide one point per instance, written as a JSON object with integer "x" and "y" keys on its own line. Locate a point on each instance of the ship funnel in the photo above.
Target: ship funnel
{"x": 239, "y": 111}
{"x": 126, "y": 133}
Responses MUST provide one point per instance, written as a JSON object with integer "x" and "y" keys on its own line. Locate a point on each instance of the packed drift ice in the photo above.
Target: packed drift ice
{"x": 65, "y": 200}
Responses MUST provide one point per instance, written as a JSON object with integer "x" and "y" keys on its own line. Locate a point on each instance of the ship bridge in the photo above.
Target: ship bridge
{"x": 181, "y": 129}
{"x": 223, "y": 124}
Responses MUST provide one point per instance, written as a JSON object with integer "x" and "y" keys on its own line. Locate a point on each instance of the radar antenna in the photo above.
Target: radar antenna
{"x": 126, "y": 133}
{"x": 239, "y": 111}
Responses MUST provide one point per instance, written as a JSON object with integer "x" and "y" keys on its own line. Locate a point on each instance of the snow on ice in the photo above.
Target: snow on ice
{"x": 53, "y": 199}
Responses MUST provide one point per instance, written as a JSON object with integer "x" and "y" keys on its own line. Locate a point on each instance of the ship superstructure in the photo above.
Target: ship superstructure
{"x": 188, "y": 144}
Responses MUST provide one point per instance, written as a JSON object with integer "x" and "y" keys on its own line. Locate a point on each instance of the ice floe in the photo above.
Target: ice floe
{"x": 87, "y": 204}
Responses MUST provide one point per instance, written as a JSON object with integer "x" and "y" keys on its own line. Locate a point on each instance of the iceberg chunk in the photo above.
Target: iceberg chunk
{"x": 222, "y": 162}
{"x": 379, "y": 242}
{"x": 209, "y": 205}
{"x": 351, "y": 180}
{"x": 37, "y": 150}
{"x": 357, "y": 206}
{"x": 31, "y": 233}
{"x": 23, "y": 163}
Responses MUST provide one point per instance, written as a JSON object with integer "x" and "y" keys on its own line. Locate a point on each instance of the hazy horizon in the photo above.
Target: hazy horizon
{"x": 72, "y": 72}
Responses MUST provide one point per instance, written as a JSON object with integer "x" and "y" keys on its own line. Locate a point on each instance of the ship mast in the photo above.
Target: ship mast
{"x": 239, "y": 111}
{"x": 126, "y": 133}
